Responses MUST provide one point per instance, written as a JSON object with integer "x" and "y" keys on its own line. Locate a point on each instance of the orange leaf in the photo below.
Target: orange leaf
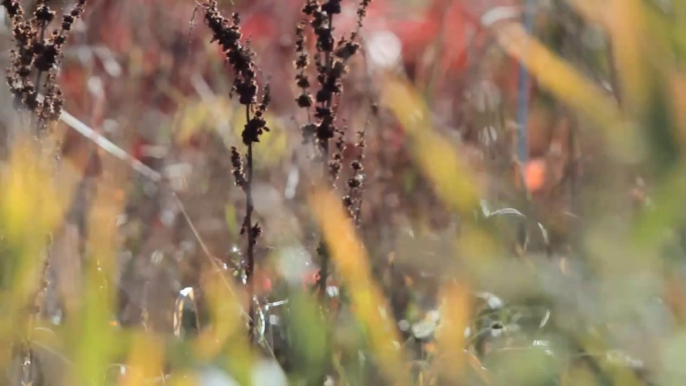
{"x": 534, "y": 175}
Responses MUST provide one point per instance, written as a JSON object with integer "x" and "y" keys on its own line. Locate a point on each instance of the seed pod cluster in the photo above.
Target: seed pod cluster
{"x": 34, "y": 54}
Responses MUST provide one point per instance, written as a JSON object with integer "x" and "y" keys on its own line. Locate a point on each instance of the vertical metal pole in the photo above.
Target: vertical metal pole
{"x": 523, "y": 92}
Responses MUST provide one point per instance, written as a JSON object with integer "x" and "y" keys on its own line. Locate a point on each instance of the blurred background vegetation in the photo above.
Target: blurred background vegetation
{"x": 520, "y": 221}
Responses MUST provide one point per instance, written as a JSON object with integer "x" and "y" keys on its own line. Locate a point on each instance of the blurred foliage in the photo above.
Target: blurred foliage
{"x": 468, "y": 265}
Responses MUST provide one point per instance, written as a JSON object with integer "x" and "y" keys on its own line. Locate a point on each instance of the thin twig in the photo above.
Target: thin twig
{"x": 39, "y": 75}
{"x": 249, "y": 272}
{"x": 192, "y": 24}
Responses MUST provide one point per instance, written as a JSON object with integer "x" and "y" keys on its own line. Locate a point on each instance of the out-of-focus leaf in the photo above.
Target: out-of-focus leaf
{"x": 184, "y": 378}
{"x": 96, "y": 342}
{"x": 307, "y": 336}
{"x": 30, "y": 208}
{"x": 579, "y": 375}
{"x": 455, "y": 315}
{"x": 677, "y": 96}
{"x": 367, "y": 301}
{"x": 230, "y": 218}
{"x": 592, "y": 10}
{"x": 567, "y": 84}
{"x": 438, "y": 160}
{"x": 673, "y": 354}
{"x": 661, "y": 129}
{"x": 145, "y": 360}
{"x": 436, "y": 157}
{"x": 622, "y": 375}
{"x": 227, "y": 330}
{"x": 524, "y": 366}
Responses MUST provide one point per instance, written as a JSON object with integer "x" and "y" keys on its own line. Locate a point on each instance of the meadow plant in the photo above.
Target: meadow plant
{"x": 36, "y": 54}
{"x": 443, "y": 280}
{"x": 330, "y": 61}
{"x": 240, "y": 58}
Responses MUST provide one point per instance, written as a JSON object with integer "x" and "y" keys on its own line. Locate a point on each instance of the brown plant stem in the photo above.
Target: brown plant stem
{"x": 249, "y": 277}
{"x": 39, "y": 75}
{"x": 323, "y": 253}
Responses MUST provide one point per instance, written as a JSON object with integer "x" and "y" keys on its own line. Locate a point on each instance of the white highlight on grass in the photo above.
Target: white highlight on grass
{"x": 497, "y": 14}
{"x": 109, "y": 146}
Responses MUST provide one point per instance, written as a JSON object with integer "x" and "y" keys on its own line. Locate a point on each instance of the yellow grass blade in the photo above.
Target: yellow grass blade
{"x": 227, "y": 333}
{"x": 352, "y": 266}
{"x": 628, "y": 31}
{"x": 436, "y": 157}
{"x": 592, "y": 10}
{"x": 438, "y": 160}
{"x": 31, "y": 207}
{"x": 568, "y": 85}
{"x": 145, "y": 360}
{"x": 455, "y": 315}
{"x": 96, "y": 339}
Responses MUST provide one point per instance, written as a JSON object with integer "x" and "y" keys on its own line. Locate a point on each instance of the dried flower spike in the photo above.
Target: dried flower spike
{"x": 34, "y": 54}
{"x": 330, "y": 62}
{"x": 227, "y": 33}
